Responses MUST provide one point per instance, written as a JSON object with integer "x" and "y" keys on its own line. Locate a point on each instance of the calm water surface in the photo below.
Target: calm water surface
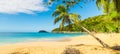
{"x": 18, "y": 37}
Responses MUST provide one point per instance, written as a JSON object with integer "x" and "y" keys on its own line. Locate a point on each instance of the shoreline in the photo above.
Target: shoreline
{"x": 111, "y": 39}
{"x": 75, "y": 39}
{"x": 47, "y": 39}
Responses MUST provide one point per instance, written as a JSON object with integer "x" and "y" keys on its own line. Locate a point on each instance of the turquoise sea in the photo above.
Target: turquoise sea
{"x": 18, "y": 37}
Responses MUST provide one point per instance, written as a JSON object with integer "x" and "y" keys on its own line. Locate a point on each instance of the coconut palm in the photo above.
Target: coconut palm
{"x": 115, "y": 8}
{"x": 105, "y": 4}
{"x": 61, "y": 14}
{"x": 117, "y": 5}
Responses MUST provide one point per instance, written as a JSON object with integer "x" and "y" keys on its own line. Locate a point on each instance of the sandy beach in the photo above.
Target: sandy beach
{"x": 84, "y": 44}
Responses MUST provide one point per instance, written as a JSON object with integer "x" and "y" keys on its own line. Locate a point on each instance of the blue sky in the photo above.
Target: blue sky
{"x": 33, "y": 18}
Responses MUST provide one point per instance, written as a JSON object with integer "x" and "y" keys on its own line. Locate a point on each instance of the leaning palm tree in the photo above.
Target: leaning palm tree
{"x": 60, "y": 14}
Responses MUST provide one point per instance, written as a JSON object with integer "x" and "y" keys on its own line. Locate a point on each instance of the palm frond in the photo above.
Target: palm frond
{"x": 99, "y": 3}
{"x": 61, "y": 8}
{"x": 57, "y": 19}
{"x": 56, "y": 13}
{"x": 75, "y": 17}
{"x": 117, "y": 5}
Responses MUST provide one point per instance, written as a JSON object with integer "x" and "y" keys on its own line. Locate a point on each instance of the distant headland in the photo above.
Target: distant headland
{"x": 43, "y": 31}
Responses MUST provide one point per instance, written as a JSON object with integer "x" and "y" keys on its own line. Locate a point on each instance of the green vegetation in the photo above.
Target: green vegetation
{"x": 110, "y": 22}
{"x": 96, "y": 24}
{"x": 61, "y": 14}
{"x": 112, "y": 10}
{"x": 103, "y": 23}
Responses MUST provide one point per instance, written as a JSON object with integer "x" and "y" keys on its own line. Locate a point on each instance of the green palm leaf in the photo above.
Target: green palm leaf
{"x": 61, "y": 14}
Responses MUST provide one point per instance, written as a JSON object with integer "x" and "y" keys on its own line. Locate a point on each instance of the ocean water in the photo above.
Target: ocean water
{"x": 18, "y": 37}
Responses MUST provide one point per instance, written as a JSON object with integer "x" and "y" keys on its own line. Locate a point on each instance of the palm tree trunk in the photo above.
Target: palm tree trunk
{"x": 101, "y": 42}
{"x": 69, "y": 26}
{"x": 118, "y": 24}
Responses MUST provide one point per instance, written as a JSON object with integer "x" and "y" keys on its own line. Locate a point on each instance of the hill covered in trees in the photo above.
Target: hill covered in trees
{"x": 101, "y": 23}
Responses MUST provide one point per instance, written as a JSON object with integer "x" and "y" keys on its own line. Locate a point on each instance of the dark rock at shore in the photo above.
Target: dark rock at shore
{"x": 43, "y": 31}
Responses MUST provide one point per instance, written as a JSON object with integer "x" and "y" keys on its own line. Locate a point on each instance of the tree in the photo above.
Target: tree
{"x": 113, "y": 9}
{"x": 68, "y": 4}
{"x": 61, "y": 14}
{"x": 105, "y": 4}
{"x": 117, "y": 8}
{"x": 117, "y": 5}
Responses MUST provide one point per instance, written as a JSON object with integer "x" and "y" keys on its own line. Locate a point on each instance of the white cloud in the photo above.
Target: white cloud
{"x": 21, "y": 6}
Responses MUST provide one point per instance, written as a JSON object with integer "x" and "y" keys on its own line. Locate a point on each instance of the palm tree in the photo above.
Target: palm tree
{"x": 117, "y": 8}
{"x": 61, "y": 14}
{"x": 106, "y": 5}
{"x": 117, "y": 5}
{"x": 68, "y": 4}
